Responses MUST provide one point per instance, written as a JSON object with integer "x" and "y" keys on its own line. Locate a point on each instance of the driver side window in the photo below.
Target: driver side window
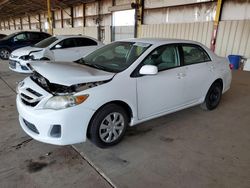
{"x": 67, "y": 43}
{"x": 20, "y": 37}
{"x": 164, "y": 57}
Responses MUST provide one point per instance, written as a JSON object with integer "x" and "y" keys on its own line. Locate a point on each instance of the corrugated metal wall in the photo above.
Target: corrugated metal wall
{"x": 123, "y": 32}
{"x": 89, "y": 31}
{"x": 199, "y": 31}
{"x": 233, "y": 38}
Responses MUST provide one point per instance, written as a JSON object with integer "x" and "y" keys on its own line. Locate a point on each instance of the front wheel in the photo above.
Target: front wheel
{"x": 213, "y": 97}
{"x": 4, "y": 54}
{"x": 108, "y": 126}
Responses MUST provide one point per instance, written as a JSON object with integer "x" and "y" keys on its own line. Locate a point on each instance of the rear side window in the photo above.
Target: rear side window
{"x": 44, "y": 35}
{"x": 193, "y": 54}
{"x": 33, "y": 36}
{"x": 85, "y": 42}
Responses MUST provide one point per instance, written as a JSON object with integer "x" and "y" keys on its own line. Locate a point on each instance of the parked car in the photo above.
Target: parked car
{"x": 56, "y": 48}
{"x": 2, "y": 36}
{"x": 119, "y": 85}
{"x": 18, "y": 40}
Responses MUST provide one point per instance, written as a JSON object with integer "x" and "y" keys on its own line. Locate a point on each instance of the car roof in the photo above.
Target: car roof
{"x": 73, "y": 36}
{"x": 160, "y": 41}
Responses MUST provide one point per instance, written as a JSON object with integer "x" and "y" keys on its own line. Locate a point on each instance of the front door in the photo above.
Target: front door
{"x": 162, "y": 92}
{"x": 65, "y": 50}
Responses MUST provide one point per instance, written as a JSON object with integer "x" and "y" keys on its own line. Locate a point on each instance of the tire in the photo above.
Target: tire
{"x": 213, "y": 97}
{"x": 108, "y": 126}
{"x": 4, "y": 53}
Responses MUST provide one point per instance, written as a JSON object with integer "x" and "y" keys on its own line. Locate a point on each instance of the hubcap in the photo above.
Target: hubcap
{"x": 5, "y": 54}
{"x": 111, "y": 127}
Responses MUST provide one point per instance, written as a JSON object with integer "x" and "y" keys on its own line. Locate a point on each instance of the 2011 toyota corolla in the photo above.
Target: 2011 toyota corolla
{"x": 119, "y": 85}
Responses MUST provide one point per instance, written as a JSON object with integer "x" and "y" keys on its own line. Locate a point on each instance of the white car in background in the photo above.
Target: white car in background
{"x": 56, "y": 48}
{"x": 119, "y": 85}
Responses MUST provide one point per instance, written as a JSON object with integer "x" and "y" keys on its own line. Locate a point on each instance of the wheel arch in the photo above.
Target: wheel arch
{"x": 220, "y": 81}
{"x": 123, "y": 104}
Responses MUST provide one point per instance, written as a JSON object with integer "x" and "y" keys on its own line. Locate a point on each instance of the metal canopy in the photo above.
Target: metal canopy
{"x": 17, "y": 8}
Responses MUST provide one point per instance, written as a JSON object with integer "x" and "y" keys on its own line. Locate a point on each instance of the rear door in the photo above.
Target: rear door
{"x": 198, "y": 69}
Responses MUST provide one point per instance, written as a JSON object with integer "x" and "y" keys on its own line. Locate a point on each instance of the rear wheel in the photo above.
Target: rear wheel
{"x": 213, "y": 97}
{"x": 4, "y": 54}
{"x": 108, "y": 126}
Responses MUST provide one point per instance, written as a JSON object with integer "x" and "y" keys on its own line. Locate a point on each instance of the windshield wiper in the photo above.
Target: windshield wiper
{"x": 97, "y": 66}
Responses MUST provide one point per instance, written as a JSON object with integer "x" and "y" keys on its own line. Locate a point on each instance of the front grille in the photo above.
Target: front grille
{"x": 31, "y": 126}
{"x": 26, "y": 96}
{"x": 32, "y": 104}
{"x": 30, "y": 97}
{"x": 34, "y": 92}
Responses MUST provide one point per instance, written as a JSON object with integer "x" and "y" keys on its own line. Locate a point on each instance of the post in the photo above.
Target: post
{"x": 62, "y": 18}
{"x": 49, "y": 17}
{"x": 39, "y": 20}
{"x": 139, "y": 9}
{"x": 216, "y": 24}
{"x": 9, "y": 24}
{"x": 21, "y": 23}
{"x": 72, "y": 16}
{"x": 83, "y": 15}
{"x": 14, "y": 22}
{"x": 29, "y": 22}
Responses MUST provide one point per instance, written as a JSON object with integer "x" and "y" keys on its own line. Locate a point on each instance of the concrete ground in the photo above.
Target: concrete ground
{"x": 190, "y": 148}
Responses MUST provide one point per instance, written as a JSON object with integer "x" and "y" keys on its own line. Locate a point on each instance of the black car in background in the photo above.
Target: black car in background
{"x": 18, "y": 40}
{"x": 2, "y": 36}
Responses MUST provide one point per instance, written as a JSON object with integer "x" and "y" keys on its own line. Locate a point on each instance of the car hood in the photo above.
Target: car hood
{"x": 25, "y": 51}
{"x": 69, "y": 73}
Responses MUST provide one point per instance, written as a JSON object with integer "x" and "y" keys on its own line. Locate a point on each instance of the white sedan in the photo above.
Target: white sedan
{"x": 119, "y": 85}
{"x": 56, "y": 48}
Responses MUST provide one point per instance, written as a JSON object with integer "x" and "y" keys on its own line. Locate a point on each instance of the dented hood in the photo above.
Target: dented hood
{"x": 69, "y": 73}
{"x": 25, "y": 51}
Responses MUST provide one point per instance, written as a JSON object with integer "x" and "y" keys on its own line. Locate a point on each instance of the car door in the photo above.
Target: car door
{"x": 197, "y": 71}
{"x": 162, "y": 92}
{"x": 85, "y": 46}
{"x": 65, "y": 50}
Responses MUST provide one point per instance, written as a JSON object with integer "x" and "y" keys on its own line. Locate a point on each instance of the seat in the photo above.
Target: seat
{"x": 168, "y": 59}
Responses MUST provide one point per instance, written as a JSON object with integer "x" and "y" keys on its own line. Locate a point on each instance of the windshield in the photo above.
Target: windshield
{"x": 9, "y": 36}
{"x": 46, "y": 42}
{"x": 116, "y": 56}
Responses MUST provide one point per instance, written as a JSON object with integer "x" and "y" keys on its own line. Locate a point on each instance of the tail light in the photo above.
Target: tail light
{"x": 231, "y": 66}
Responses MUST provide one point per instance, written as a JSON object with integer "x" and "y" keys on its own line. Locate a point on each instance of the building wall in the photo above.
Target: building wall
{"x": 199, "y": 31}
{"x": 185, "y": 19}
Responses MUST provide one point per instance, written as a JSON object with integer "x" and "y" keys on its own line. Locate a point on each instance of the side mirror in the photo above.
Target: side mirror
{"x": 58, "y": 46}
{"x": 148, "y": 70}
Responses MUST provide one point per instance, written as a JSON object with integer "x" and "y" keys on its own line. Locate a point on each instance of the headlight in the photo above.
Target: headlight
{"x": 61, "y": 102}
{"x": 27, "y": 57}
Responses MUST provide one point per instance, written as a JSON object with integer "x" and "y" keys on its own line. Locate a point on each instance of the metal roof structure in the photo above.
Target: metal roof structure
{"x": 17, "y": 8}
